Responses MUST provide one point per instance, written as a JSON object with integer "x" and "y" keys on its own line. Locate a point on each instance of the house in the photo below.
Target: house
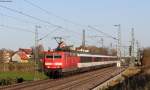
{"x": 27, "y": 51}
{"x": 5, "y": 56}
{"x": 20, "y": 57}
{"x": 82, "y": 49}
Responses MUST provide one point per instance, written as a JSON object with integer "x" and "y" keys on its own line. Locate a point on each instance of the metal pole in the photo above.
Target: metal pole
{"x": 132, "y": 48}
{"x": 119, "y": 42}
{"x": 102, "y": 41}
{"x": 138, "y": 53}
{"x": 36, "y": 53}
{"x": 83, "y": 40}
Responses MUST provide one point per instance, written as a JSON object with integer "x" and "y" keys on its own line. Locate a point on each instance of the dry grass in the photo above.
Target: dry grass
{"x": 146, "y": 57}
{"x": 116, "y": 81}
{"x": 5, "y": 67}
{"x": 131, "y": 71}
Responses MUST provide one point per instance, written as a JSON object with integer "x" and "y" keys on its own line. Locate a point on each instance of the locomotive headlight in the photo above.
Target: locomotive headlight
{"x": 48, "y": 66}
{"x": 48, "y": 63}
{"x": 58, "y": 63}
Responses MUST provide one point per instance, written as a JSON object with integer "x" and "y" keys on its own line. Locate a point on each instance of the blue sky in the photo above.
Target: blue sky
{"x": 101, "y": 14}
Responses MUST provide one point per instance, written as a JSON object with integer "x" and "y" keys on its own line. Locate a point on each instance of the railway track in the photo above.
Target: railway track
{"x": 85, "y": 81}
{"x": 24, "y": 85}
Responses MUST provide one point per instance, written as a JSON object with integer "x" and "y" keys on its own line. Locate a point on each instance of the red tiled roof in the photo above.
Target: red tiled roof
{"x": 27, "y": 51}
{"x": 23, "y": 55}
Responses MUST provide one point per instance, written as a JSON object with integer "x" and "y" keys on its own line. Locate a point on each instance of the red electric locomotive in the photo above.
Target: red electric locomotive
{"x": 58, "y": 62}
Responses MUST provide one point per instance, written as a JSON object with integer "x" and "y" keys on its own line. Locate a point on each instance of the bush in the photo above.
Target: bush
{"x": 20, "y": 80}
{"x": 9, "y": 81}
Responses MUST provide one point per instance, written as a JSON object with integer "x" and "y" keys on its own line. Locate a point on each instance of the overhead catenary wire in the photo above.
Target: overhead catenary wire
{"x": 35, "y": 18}
{"x": 66, "y": 20}
{"x": 15, "y": 18}
{"x": 17, "y": 28}
{"x": 44, "y": 21}
{"x": 21, "y": 20}
{"x": 52, "y": 14}
{"x": 107, "y": 35}
{"x": 18, "y": 19}
{"x": 5, "y": 1}
{"x": 48, "y": 34}
{"x": 30, "y": 16}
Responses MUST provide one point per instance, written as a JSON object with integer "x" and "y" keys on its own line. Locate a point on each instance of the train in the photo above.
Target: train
{"x": 60, "y": 63}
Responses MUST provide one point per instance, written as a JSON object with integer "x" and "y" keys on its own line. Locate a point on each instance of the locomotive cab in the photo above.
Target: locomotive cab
{"x": 53, "y": 60}
{"x": 53, "y": 63}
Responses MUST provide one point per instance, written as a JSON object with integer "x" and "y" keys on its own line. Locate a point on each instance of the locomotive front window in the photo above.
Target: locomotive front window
{"x": 57, "y": 56}
{"x": 53, "y": 56}
{"x": 49, "y": 56}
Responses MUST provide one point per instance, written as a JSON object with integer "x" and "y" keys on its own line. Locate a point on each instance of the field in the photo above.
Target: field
{"x": 11, "y": 73}
{"x": 27, "y": 76}
{"x": 22, "y": 67}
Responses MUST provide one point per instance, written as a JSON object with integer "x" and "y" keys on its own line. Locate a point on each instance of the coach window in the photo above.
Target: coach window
{"x": 86, "y": 59}
{"x": 97, "y": 59}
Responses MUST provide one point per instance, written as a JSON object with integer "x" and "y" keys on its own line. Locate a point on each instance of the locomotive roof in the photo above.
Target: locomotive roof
{"x": 81, "y": 54}
{"x": 91, "y": 55}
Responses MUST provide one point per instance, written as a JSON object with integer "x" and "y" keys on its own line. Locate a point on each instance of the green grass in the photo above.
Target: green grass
{"x": 27, "y": 76}
{"x": 11, "y": 73}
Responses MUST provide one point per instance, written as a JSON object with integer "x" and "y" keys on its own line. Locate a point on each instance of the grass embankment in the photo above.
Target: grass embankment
{"x": 27, "y": 76}
{"x": 8, "y": 78}
{"x": 11, "y": 73}
{"x": 138, "y": 82}
{"x": 130, "y": 72}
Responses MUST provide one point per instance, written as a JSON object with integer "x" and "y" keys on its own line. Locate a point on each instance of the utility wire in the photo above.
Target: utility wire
{"x": 16, "y": 28}
{"x": 50, "y": 13}
{"x": 103, "y": 33}
{"x": 20, "y": 20}
{"x": 48, "y": 34}
{"x": 15, "y": 18}
{"x": 35, "y": 18}
{"x": 66, "y": 20}
{"x": 5, "y": 1}
{"x": 27, "y": 15}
